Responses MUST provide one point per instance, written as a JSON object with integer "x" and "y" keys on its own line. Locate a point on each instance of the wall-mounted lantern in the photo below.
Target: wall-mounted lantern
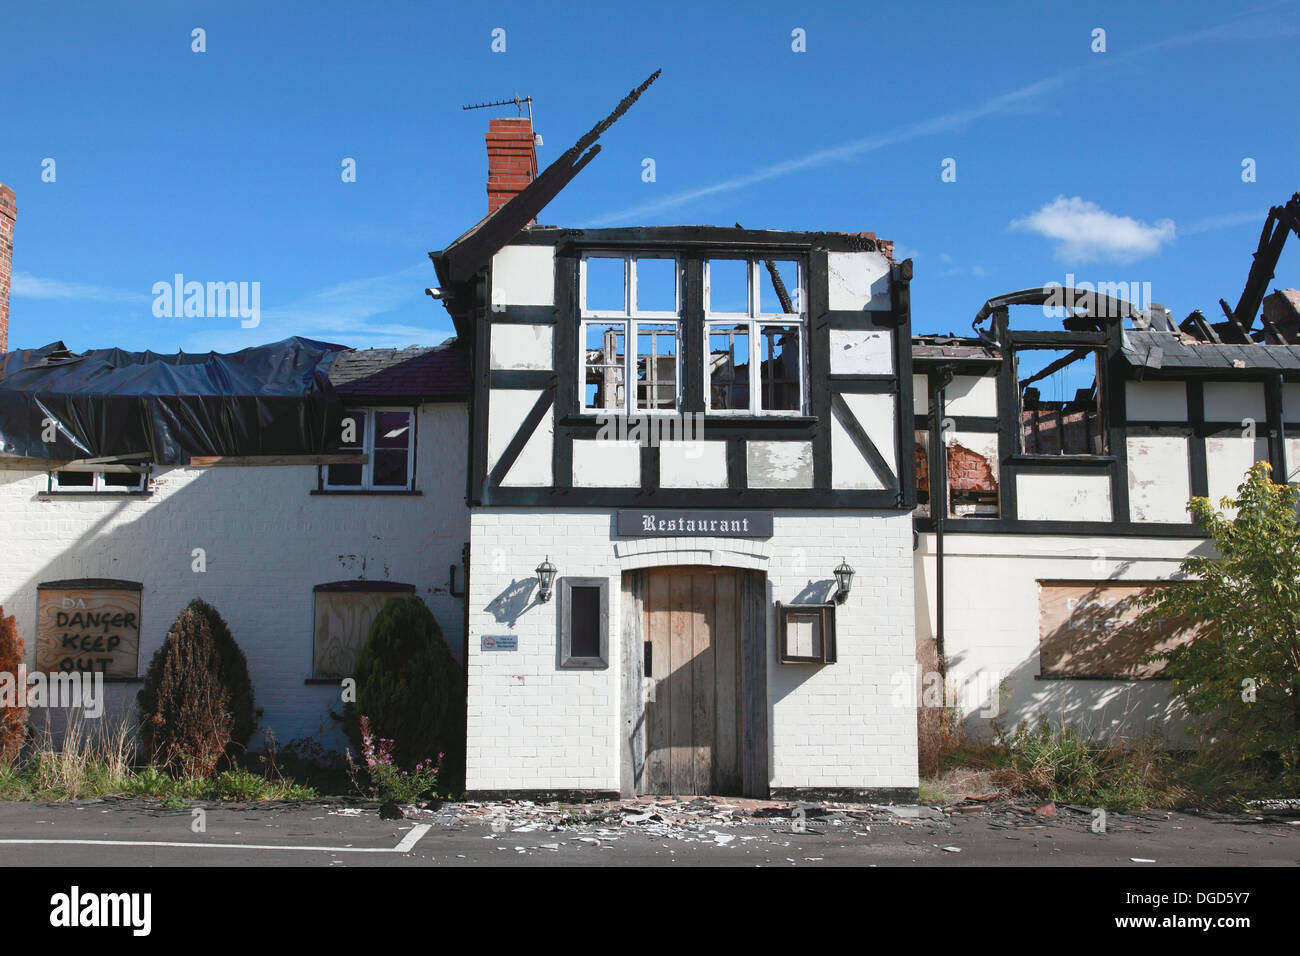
{"x": 545, "y": 579}
{"x": 843, "y": 581}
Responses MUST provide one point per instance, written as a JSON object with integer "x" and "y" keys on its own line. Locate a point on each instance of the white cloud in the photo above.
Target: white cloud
{"x": 26, "y": 286}
{"x": 1084, "y": 232}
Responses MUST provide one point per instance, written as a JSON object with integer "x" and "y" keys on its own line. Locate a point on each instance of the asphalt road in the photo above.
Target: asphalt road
{"x": 134, "y": 834}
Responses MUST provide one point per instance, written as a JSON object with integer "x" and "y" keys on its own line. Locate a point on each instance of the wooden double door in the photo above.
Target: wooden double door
{"x": 694, "y": 683}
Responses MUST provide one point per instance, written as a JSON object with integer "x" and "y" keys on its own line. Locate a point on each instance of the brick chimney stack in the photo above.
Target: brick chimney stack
{"x": 8, "y": 213}
{"x": 512, "y": 159}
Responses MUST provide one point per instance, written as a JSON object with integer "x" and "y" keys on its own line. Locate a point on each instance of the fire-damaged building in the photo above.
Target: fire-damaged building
{"x": 694, "y": 508}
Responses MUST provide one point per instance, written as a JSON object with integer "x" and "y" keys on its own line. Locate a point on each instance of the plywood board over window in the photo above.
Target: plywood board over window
{"x": 1090, "y": 629}
{"x": 344, "y": 612}
{"x": 87, "y": 625}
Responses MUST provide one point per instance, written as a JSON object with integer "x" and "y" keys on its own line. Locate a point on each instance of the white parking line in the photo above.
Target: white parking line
{"x": 408, "y": 843}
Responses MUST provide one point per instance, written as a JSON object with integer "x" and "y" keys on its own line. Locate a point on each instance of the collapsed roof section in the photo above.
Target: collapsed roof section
{"x": 1149, "y": 337}
{"x": 109, "y": 404}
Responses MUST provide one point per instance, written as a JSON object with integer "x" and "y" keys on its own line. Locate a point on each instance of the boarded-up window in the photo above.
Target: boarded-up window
{"x": 344, "y": 612}
{"x": 90, "y": 624}
{"x": 1091, "y": 629}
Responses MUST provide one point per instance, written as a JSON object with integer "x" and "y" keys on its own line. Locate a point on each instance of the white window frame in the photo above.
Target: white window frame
{"x": 631, "y": 318}
{"x": 755, "y": 318}
{"x": 98, "y": 485}
{"x": 371, "y": 413}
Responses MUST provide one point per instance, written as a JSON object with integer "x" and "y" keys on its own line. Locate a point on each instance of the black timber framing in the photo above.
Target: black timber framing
{"x": 1200, "y": 481}
{"x": 819, "y": 358}
{"x": 692, "y": 246}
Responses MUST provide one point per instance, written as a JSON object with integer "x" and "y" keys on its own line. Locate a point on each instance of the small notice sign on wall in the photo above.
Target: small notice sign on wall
{"x": 90, "y": 625}
{"x": 499, "y": 642}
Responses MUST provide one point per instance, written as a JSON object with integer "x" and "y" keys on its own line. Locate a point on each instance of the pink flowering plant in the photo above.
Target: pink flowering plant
{"x": 388, "y": 782}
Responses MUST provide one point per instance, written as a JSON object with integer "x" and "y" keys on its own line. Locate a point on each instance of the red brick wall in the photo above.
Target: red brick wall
{"x": 512, "y": 159}
{"x": 8, "y": 213}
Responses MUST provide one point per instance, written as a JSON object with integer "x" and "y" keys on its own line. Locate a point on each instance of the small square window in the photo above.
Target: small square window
{"x": 806, "y": 633}
{"x": 584, "y": 622}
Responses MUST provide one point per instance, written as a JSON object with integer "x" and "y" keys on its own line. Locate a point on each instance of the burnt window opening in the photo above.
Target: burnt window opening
{"x": 1060, "y": 401}
{"x": 755, "y": 336}
{"x": 972, "y": 476}
{"x": 972, "y": 481}
{"x": 629, "y": 306}
{"x": 923, "y": 474}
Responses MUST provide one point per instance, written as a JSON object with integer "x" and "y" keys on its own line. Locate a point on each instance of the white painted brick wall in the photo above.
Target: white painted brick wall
{"x": 991, "y": 624}
{"x": 268, "y": 541}
{"x": 533, "y": 725}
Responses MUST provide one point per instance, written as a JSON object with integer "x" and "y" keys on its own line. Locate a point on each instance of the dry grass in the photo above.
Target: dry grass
{"x": 90, "y": 758}
{"x": 97, "y": 758}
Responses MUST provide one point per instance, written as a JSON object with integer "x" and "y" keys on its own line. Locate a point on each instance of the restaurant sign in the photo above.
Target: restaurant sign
{"x": 677, "y": 523}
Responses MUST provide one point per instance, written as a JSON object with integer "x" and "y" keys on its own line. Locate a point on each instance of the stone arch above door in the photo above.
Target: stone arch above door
{"x": 752, "y": 555}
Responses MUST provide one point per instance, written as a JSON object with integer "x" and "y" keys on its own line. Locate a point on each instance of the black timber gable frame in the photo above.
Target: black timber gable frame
{"x": 692, "y": 245}
{"x": 1115, "y": 371}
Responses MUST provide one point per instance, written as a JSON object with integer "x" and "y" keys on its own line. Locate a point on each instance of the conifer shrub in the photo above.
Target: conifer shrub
{"x": 411, "y": 688}
{"x": 196, "y": 706}
{"x": 13, "y": 714}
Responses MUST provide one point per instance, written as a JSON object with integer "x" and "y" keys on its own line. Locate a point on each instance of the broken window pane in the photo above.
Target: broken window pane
{"x": 124, "y": 481}
{"x": 780, "y": 350}
{"x": 656, "y": 365}
{"x": 74, "y": 479}
{"x": 729, "y": 366}
{"x": 392, "y": 449}
{"x": 606, "y": 289}
{"x": 603, "y": 383}
{"x": 656, "y": 285}
{"x": 1060, "y": 403}
{"x": 779, "y": 287}
{"x": 728, "y": 286}
{"x": 348, "y": 476}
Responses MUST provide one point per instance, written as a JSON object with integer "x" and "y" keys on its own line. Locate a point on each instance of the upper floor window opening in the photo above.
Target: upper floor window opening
{"x": 629, "y": 333}
{"x": 755, "y": 361}
{"x": 1060, "y": 401}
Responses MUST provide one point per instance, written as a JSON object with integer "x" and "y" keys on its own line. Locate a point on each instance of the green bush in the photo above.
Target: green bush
{"x": 411, "y": 688}
{"x": 13, "y": 720}
{"x": 196, "y": 706}
{"x": 1063, "y": 764}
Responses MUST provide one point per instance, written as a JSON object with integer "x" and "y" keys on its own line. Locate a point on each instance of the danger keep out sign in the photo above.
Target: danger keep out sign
{"x": 88, "y": 625}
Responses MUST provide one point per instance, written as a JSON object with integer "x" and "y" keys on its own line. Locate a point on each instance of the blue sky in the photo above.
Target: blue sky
{"x": 1123, "y": 165}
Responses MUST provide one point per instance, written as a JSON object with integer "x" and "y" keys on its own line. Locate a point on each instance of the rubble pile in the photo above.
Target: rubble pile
{"x": 672, "y": 818}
